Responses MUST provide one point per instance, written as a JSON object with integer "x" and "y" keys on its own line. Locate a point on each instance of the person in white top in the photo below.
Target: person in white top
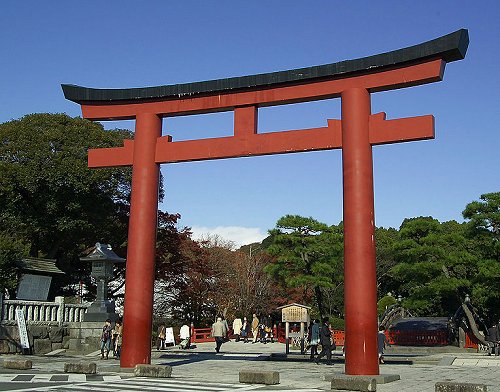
{"x": 185, "y": 335}
{"x": 237, "y": 328}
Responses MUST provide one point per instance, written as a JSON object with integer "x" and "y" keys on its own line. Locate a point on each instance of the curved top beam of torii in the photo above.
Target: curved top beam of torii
{"x": 419, "y": 64}
{"x": 448, "y": 48}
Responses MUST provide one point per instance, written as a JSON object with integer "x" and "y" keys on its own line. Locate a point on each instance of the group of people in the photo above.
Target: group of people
{"x": 320, "y": 334}
{"x": 243, "y": 330}
{"x": 261, "y": 330}
{"x": 184, "y": 337}
{"x": 493, "y": 339}
{"x": 111, "y": 339}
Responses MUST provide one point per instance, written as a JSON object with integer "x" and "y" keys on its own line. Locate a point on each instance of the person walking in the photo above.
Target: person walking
{"x": 185, "y": 336}
{"x": 219, "y": 332}
{"x": 314, "y": 336}
{"x": 493, "y": 340}
{"x": 160, "y": 340}
{"x": 382, "y": 343}
{"x": 268, "y": 329}
{"x": 106, "y": 339}
{"x": 114, "y": 335}
{"x": 118, "y": 331}
{"x": 245, "y": 330}
{"x": 325, "y": 338}
{"x": 224, "y": 321}
{"x": 498, "y": 334}
{"x": 237, "y": 324}
{"x": 255, "y": 328}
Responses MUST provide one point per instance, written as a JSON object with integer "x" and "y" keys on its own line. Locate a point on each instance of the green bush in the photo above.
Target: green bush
{"x": 337, "y": 323}
{"x": 384, "y": 303}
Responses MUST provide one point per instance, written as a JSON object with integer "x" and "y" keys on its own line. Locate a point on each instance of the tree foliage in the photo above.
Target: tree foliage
{"x": 11, "y": 253}
{"x": 51, "y": 200}
{"x": 434, "y": 266}
{"x": 484, "y": 224}
{"x": 384, "y": 303}
{"x": 254, "y": 291}
{"x": 196, "y": 280}
{"x": 385, "y": 258}
{"x": 308, "y": 256}
{"x": 484, "y": 230}
{"x": 182, "y": 275}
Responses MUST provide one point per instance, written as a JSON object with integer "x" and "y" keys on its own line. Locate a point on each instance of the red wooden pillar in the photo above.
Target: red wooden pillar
{"x": 360, "y": 291}
{"x": 137, "y": 323}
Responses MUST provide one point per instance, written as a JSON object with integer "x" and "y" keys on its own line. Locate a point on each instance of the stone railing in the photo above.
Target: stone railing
{"x": 42, "y": 312}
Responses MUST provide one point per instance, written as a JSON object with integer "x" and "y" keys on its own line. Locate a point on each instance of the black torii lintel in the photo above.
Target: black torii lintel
{"x": 450, "y": 47}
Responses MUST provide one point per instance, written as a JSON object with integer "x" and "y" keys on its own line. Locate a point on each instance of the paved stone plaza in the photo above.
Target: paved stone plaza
{"x": 200, "y": 369}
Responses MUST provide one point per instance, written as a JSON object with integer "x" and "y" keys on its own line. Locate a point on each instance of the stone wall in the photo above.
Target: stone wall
{"x": 80, "y": 338}
{"x": 50, "y": 326}
{"x": 43, "y": 338}
{"x": 84, "y": 337}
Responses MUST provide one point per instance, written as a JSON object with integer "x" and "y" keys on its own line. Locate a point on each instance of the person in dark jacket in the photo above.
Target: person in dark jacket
{"x": 245, "y": 330}
{"x": 381, "y": 343}
{"x": 493, "y": 339}
{"x": 268, "y": 329}
{"x": 314, "y": 338}
{"x": 106, "y": 339}
{"x": 325, "y": 338}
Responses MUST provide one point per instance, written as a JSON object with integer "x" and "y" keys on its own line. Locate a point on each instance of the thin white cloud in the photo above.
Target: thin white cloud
{"x": 237, "y": 234}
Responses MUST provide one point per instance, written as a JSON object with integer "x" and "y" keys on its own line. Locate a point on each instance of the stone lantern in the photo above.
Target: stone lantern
{"x": 103, "y": 260}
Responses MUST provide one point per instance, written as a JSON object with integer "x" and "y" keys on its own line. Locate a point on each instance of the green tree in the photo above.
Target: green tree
{"x": 51, "y": 200}
{"x": 11, "y": 253}
{"x": 484, "y": 232}
{"x": 385, "y": 258}
{"x": 484, "y": 224}
{"x": 384, "y": 303}
{"x": 434, "y": 266}
{"x": 308, "y": 255}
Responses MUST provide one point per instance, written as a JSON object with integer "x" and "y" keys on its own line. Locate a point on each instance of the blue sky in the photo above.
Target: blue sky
{"x": 120, "y": 44}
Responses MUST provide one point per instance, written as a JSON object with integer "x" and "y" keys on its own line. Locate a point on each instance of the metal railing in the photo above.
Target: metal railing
{"x": 418, "y": 338}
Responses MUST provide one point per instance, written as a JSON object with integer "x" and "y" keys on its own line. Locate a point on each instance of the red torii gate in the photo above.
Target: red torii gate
{"x": 353, "y": 81}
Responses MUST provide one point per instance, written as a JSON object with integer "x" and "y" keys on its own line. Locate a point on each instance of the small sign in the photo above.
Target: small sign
{"x": 294, "y": 314}
{"x": 23, "y": 332}
{"x": 33, "y": 287}
{"x": 169, "y": 335}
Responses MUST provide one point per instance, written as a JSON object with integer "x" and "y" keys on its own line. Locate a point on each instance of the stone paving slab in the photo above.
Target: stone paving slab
{"x": 482, "y": 362}
{"x": 295, "y": 374}
{"x": 70, "y": 377}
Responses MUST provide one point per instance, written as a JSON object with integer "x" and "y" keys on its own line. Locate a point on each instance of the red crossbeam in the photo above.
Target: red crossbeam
{"x": 247, "y": 143}
{"x": 408, "y": 129}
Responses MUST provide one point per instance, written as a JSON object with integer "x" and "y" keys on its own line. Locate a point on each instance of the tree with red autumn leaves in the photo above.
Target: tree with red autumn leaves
{"x": 197, "y": 280}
